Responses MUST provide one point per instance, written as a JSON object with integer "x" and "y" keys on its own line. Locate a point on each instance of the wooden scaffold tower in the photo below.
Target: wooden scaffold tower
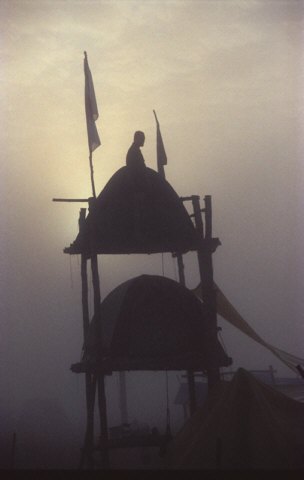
{"x": 118, "y": 224}
{"x": 160, "y": 324}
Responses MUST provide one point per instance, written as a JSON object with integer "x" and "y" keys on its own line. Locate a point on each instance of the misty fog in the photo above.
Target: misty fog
{"x": 226, "y": 81}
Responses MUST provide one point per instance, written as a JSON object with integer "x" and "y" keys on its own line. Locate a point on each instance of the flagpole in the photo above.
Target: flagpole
{"x": 161, "y": 154}
{"x": 90, "y": 156}
{"x": 91, "y": 117}
{"x": 92, "y": 175}
{"x": 157, "y": 122}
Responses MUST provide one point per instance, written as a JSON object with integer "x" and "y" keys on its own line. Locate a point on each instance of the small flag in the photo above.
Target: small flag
{"x": 161, "y": 154}
{"x": 90, "y": 107}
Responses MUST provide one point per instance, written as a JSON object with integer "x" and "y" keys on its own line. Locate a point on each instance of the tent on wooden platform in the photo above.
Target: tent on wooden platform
{"x": 151, "y": 323}
{"x": 136, "y": 212}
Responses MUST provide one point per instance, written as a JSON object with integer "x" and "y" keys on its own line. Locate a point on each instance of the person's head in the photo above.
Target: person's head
{"x": 139, "y": 138}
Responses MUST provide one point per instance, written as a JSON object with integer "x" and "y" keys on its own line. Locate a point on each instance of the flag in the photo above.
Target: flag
{"x": 161, "y": 154}
{"x": 227, "y": 311}
{"x": 90, "y": 107}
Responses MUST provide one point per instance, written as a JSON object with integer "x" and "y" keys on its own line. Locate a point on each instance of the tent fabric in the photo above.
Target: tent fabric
{"x": 244, "y": 424}
{"x": 137, "y": 212}
{"x": 149, "y": 318}
{"x": 227, "y": 311}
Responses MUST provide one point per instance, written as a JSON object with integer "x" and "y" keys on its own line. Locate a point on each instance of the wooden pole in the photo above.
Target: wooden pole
{"x": 123, "y": 398}
{"x": 90, "y": 380}
{"x": 181, "y": 269}
{"x": 94, "y": 260}
{"x": 96, "y": 285}
{"x": 192, "y": 392}
{"x": 80, "y": 200}
{"x": 300, "y": 370}
{"x": 208, "y": 217}
{"x": 89, "y": 99}
{"x": 100, "y": 380}
{"x": 190, "y": 373}
{"x": 101, "y": 384}
{"x": 87, "y": 451}
{"x": 84, "y": 282}
{"x": 214, "y": 371}
{"x": 204, "y": 253}
{"x": 92, "y": 175}
{"x": 105, "y": 461}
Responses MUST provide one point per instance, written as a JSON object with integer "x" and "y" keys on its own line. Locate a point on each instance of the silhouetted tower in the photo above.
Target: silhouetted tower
{"x": 143, "y": 214}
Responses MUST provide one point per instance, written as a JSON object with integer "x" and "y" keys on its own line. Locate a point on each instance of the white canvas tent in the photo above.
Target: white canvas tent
{"x": 244, "y": 424}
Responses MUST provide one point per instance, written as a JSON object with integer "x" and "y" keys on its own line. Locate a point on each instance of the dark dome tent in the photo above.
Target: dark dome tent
{"x": 136, "y": 212}
{"x": 151, "y": 323}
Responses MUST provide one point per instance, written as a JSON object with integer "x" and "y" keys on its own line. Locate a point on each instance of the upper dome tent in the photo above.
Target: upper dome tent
{"x": 136, "y": 212}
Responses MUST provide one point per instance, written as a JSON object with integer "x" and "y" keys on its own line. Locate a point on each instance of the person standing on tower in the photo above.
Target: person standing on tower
{"x": 138, "y": 183}
{"x": 134, "y": 157}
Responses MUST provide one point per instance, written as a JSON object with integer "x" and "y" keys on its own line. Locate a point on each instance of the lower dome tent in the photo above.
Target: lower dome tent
{"x": 152, "y": 323}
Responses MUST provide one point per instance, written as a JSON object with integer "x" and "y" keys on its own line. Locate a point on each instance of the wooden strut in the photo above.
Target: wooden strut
{"x": 204, "y": 253}
{"x": 123, "y": 398}
{"x": 84, "y": 282}
{"x": 92, "y": 174}
{"x": 190, "y": 373}
{"x": 90, "y": 380}
{"x": 81, "y": 200}
{"x": 100, "y": 377}
{"x": 87, "y": 450}
{"x": 103, "y": 422}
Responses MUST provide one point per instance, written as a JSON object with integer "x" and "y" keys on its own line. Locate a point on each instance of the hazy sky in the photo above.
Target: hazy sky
{"x": 226, "y": 80}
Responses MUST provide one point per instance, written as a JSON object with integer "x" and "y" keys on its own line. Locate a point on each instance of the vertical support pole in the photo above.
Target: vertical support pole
{"x": 96, "y": 285}
{"x": 208, "y": 217}
{"x": 201, "y": 254}
{"x": 214, "y": 371}
{"x": 84, "y": 282}
{"x": 100, "y": 376}
{"x": 87, "y": 451}
{"x": 181, "y": 269}
{"x": 92, "y": 175}
{"x": 192, "y": 393}
{"x": 204, "y": 253}
{"x": 105, "y": 461}
{"x": 185, "y": 412}
{"x": 271, "y": 370}
{"x": 123, "y": 398}
{"x": 190, "y": 373}
{"x": 90, "y": 381}
{"x": 300, "y": 370}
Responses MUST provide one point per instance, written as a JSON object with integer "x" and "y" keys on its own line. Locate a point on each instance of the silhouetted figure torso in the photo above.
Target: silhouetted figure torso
{"x": 138, "y": 183}
{"x": 135, "y": 158}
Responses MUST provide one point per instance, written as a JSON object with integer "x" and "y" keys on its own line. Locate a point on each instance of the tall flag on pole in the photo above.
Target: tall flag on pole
{"x": 161, "y": 154}
{"x": 90, "y": 107}
{"x": 91, "y": 116}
